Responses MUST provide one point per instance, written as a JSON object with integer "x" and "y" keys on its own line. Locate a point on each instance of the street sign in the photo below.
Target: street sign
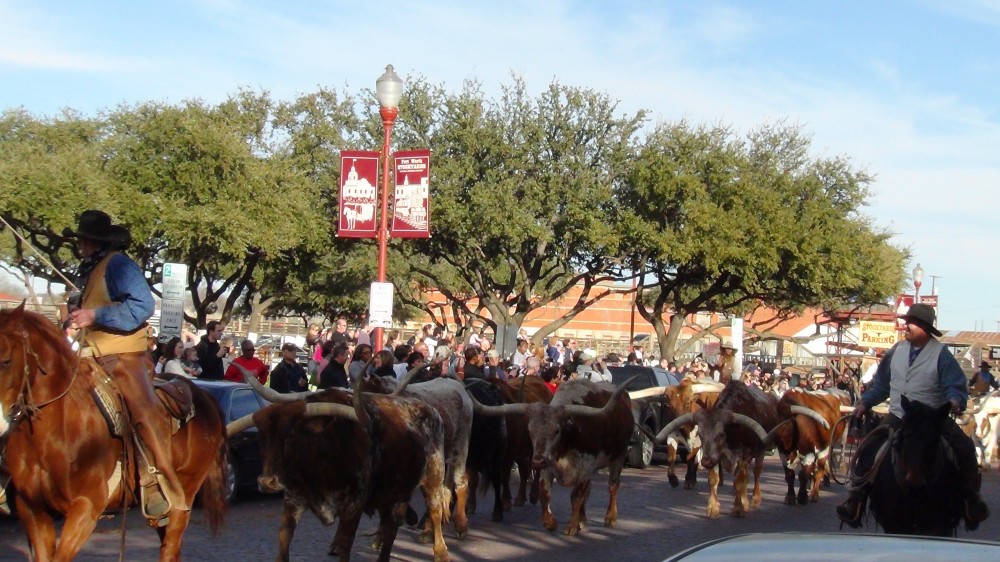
{"x": 380, "y": 305}
{"x": 174, "y": 281}
{"x": 173, "y": 289}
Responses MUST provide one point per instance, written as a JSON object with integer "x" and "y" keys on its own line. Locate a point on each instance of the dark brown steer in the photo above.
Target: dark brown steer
{"x": 733, "y": 433}
{"x": 586, "y": 427}
{"x": 341, "y": 455}
{"x": 523, "y": 390}
{"x": 806, "y": 443}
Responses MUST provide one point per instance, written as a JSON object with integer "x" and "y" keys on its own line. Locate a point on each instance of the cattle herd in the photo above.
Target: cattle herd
{"x": 341, "y": 454}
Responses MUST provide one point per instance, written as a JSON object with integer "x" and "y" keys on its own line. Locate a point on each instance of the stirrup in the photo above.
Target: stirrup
{"x": 155, "y": 504}
{"x": 850, "y": 511}
{"x": 4, "y": 507}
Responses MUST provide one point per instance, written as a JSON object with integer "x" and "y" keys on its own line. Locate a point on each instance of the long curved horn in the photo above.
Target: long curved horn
{"x": 773, "y": 434}
{"x": 796, "y": 409}
{"x": 406, "y": 380}
{"x": 700, "y": 387}
{"x": 672, "y": 427}
{"x": 749, "y": 423}
{"x": 581, "y": 410}
{"x": 270, "y": 394}
{"x": 503, "y": 410}
{"x": 314, "y": 409}
{"x": 236, "y": 426}
{"x": 846, "y": 409}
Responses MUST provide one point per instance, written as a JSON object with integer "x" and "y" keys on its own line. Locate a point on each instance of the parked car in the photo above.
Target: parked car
{"x": 649, "y": 407}
{"x": 837, "y": 547}
{"x": 237, "y": 400}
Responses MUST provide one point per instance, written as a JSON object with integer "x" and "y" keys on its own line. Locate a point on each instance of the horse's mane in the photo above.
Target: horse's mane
{"x": 38, "y": 327}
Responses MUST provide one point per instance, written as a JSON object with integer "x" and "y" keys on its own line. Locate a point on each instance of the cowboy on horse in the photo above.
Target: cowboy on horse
{"x": 919, "y": 369}
{"x": 112, "y": 312}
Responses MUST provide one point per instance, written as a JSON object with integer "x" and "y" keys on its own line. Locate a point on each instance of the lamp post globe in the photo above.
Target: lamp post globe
{"x": 918, "y": 279}
{"x": 388, "y": 92}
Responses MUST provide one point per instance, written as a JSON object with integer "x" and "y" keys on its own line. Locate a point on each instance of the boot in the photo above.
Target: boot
{"x": 850, "y": 511}
{"x": 976, "y": 510}
{"x": 4, "y": 480}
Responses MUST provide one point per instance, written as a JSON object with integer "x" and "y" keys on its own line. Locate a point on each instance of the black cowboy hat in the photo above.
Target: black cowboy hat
{"x": 985, "y": 364}
{"x": 923, "y": 315}
{"x": 96, "y": 225}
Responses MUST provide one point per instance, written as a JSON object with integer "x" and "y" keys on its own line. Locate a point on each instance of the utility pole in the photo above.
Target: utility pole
{"x": 933, "y": 279}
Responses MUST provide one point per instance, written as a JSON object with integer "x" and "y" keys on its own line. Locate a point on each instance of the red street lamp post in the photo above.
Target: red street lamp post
{"x": 388, "y": 91}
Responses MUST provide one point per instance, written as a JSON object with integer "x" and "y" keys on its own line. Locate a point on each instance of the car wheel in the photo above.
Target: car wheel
{"x": 640, "y": 455}
{"x": 232, "y": 477}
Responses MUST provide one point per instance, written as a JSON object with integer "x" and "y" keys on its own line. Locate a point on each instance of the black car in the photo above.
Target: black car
{"x": 237, "y": 400}
{"x": 652, "y": 412}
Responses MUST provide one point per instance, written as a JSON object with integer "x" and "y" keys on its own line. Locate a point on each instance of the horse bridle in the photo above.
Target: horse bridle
{"x": 25, "y": 403}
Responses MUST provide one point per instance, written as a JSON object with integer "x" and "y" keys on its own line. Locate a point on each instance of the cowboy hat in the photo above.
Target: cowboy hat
{"x": 96, "y": 225}
{"x": 923, "y": 315}
{"x": 985, "y": 364}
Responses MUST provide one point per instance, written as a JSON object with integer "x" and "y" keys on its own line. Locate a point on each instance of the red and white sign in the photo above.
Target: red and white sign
{"x": 358, "y": 194}
{"x": 411, "y": 203}
{"x": 903, "y": 304}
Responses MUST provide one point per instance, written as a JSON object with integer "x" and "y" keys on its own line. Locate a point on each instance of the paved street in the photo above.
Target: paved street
{"x": 655, "y": 521}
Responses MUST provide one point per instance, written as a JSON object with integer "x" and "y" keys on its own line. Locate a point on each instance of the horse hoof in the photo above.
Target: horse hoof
{"x": 674, "y": 481}
{"x": 610, "y": 523}
{"x": 424, "y": 538}
{"x": 790, "y": 499}
{"x": 572, "y": 530}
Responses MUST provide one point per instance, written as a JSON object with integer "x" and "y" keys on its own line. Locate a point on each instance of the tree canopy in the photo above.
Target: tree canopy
{"x": 532, "y": 196}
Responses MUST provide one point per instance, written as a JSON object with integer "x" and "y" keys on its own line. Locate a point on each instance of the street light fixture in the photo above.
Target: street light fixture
{"x": 388, "y": 92}
{"x": 918, "y": 279}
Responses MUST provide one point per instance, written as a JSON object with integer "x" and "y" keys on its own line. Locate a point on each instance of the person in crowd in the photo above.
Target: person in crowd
{"x": 614, "y": 360}
{"x": 474, "y": 364}
{"x": 189, "y": 360}
{"x": 289, "y": 376}
{"x": 72, "y": 334}
{"x": 359, "y": 361}
{"x": 315, "y": 338}
{"x": 983, "y": 380}
{"x": 568, "y": 350}
{"x": 554, "y": 352}
{"x": 588, "y": 369}
{"x": 339, "y": 334}
{"x": 211, "y": 352}
{"x": 491, "y": 366}
{"x": 520, "y": 354}
{"x": 414, "y": 360}
{"x": 919, "y": 368}
{"x": 400, "y": 353}
{"x": 249, "y": 361}
{"x": 113, "y": 310}
{"x": 391, "y": 340}
{"x": 335, "y": 374}
{"x": 551, "y": 377}
{"x": 383, "y": 364}
{"x": 532, "y": 367}
{"x": 173, "y": 351}
{"x": 326, "y": 353}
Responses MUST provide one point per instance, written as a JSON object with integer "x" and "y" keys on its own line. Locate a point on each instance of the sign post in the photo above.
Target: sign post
{"x": 380, "y": 305}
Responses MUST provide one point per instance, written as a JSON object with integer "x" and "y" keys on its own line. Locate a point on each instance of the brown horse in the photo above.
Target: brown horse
{"x": 62, "y": 457}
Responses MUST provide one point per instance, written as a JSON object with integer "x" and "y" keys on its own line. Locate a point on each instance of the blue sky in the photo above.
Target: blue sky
{"x": 907, "y": 90}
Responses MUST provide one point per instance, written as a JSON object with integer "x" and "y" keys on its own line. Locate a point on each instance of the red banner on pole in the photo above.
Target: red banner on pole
{"x": 411, "y": 208}
{"x": 903, "y": 304}
{"x": 358, "y": 194}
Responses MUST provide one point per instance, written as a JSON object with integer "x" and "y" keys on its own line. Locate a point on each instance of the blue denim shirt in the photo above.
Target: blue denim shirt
{"x": 950, "y": 376}
{"x": 130, "y": 294}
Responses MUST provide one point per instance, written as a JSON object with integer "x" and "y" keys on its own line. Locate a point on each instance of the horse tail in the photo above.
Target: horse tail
{"x": 213, "y": 490}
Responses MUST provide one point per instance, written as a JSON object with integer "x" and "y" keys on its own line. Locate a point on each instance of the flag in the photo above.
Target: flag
{"x": 969, "y": 356}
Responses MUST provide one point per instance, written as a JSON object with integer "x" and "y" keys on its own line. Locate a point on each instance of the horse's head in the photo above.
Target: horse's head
{"x": 918, "y": 447}
{"x": 33, "y": 352}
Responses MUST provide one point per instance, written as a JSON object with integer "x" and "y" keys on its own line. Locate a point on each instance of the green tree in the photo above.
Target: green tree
{"x": 724, "y": 224}
{"x": 522, "y": 206}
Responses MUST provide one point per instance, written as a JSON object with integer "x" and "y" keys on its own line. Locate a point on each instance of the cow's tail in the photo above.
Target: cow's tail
{"x": 444, "y": 495}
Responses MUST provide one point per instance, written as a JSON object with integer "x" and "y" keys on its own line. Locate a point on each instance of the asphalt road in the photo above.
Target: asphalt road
{"x": 655, "y": 521}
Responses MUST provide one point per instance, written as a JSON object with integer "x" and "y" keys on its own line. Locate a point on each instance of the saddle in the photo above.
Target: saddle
{"x": 174, "y": 394}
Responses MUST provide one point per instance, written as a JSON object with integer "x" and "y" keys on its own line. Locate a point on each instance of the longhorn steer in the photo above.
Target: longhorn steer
{"x": 586, "y": 427}
{"x": 987, "y": 418}
{"x": 732, "y": 433}
{"x": 686, "y": 398}
{"x": 524, "y": 390}
{"x": 449, "y": 398}
{"x": 807, "y": 441}
{"x": 340, "y": 455}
